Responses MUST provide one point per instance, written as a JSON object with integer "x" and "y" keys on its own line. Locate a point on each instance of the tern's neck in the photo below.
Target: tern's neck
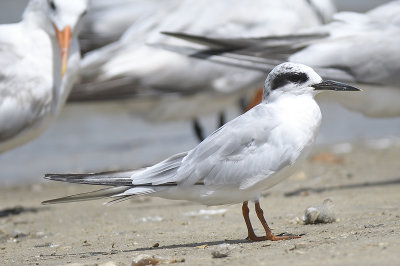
{"x": 275, "y": 96}
{"x": 300, "y": 112}
{"x": 302, "y": 108}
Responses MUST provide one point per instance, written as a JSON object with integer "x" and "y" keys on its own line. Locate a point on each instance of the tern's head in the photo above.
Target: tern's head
{"x": 53, "y": 15}
{"x": 61, "y": 19}
{"x": 298, "y": 79}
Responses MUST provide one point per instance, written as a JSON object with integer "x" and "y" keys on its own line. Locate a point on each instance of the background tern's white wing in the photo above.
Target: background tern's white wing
{"x": 107, "y": 20}
{"x": 388, "y": 12}
{"x": 368, "y": 50}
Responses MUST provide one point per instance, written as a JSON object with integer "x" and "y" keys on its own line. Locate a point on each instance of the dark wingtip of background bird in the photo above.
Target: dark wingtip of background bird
{"x": 225, "y": 44}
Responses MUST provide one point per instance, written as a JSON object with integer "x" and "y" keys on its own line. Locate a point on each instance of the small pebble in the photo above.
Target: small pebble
{"x": 218, "y": 254}
{"x": 85, "y": 243}
{"x": 111, "y": 263}
{"x": 176, "y": 261}
{"x": 144, "y": 259}
{"x": 320, "y": 214}
{"x": 295, "y": 220}
{"x": 222, "y": 251}
{"x": 300, "y": 245}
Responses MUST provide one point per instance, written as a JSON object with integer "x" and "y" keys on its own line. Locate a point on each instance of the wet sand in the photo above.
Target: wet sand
{"x": 363, "y": 181}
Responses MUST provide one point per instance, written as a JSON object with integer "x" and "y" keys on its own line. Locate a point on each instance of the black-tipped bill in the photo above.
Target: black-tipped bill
{"x": 334, "y": 86}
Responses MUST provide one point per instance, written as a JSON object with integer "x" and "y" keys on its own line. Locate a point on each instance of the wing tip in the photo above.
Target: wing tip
{"x": 173, "y": 34}
{"x": 49, "y": 176}
{"x": 91, "y": 195}
{"x": 63, "y": 177}
{"x": 59, "y": 200}
{"x": 47, "y": 202}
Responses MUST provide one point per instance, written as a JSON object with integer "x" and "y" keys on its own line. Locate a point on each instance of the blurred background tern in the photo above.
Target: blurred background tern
{"x": 39, "y": 62}
{"x": 357, "y": 48}
{"x": 158, "y": 84}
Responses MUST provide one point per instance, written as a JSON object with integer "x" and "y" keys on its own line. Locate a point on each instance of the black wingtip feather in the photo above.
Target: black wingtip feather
{"x": 92, "y": 195}
{"x": 116, "y": 178}
{"x": 64, "y": 177}
{"x": 210, "y": 42}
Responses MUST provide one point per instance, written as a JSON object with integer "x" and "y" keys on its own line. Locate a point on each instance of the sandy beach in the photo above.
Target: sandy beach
{"x": 360, "y": 176}
{"x": 362, "y": 180}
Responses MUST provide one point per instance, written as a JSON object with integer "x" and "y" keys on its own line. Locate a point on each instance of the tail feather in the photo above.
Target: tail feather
{"x": 97, "y": 194}
{"x": 124, "y": 184}
{"x": 117, "y": 178}
{"x": 118, "y": 200}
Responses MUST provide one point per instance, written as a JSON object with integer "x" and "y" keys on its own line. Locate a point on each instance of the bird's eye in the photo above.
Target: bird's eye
{"x": 297, "y": 77}
{"x": 52, "y": 5}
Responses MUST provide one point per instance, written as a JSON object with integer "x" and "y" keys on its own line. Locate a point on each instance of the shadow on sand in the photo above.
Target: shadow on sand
{"x": 115, "y": 251}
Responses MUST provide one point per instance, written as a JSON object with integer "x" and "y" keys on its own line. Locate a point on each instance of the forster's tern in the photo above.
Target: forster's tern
{"x": 357, "y": 48}
{"x": 157, "y": 85}
{"x": 238, "y": 161}
{"x": 39, "y": 61}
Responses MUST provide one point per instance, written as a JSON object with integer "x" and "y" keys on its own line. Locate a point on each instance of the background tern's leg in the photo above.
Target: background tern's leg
{"x": 198, "y": 130}
{"x": 222, "y": 119}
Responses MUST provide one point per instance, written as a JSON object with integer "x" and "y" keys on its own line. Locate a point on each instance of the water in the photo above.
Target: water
{"x": 83, "y": 139}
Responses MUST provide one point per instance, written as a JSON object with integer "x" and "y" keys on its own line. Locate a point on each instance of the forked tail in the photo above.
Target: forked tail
{"x": 119, "y": 180}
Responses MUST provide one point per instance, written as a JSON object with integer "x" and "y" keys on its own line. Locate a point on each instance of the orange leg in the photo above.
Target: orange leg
{"x": 260, "y": 214}
{"x": 251, "y": 235}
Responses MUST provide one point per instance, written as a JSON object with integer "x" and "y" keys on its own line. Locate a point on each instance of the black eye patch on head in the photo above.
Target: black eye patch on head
{"x": 284, "y": 78}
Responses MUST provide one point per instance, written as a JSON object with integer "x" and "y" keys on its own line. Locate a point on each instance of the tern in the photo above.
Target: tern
{"x": 240, "y": 160}
{"x": 356, "y": 48}
{"x": 117, "y": 16}
{"x": 39, "y": 62}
